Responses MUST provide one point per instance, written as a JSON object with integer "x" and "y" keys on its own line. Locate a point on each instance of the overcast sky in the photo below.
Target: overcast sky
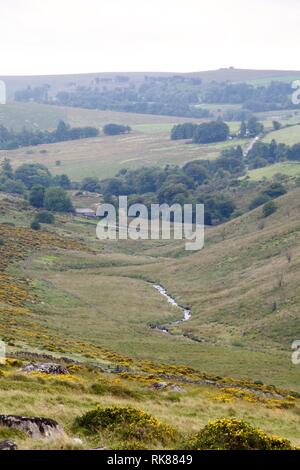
{"x": 76, "y": 36}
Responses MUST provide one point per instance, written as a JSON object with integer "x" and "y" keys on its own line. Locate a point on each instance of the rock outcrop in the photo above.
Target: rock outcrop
{"x": 8, "y": 445}
{"x": 46, "y": 368}
{"x": 159, "y": 385}
{"x": 35, "y": 427}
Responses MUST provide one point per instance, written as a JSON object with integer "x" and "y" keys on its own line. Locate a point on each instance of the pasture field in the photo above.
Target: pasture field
{"x": 17, "y": 115}
{"x": 285, "y": 168}
{"x": 285, "y": 116}
{"x": 288, "y": 135}
{"x": 275, "y": 78}
{"x": 105, "y": 156}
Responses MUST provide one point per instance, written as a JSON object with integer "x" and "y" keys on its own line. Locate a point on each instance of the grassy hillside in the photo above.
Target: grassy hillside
{"x": 59, "y": 82}
{"x": 285, "y": 168}
{"x": 288, "y": 135}
{"x": 105, "y": 156}
{"x": 64, "y": 293}
{"x": 239, "y": 333}
{"x": 179, "y": 410}
{"x": 46, "y": 117}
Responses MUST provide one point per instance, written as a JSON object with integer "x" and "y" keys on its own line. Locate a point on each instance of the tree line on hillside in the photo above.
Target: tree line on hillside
{"x": 194, "y": 183}
{"x": 270, "y": 97}
{"x": 214, "y": 183}
{"x": 215, "y": 131}
{"x": 10, "y": 139}
{"x": 198, "y": 181}
{"x": 263, "y": 154}
{"x": 175, "y": 96}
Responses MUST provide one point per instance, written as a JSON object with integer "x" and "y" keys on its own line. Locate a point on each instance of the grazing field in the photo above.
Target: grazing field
{"x": 288, "y": 135}
{"x": 105, "y": 156}
{"x": 275, "y": 78}
{"x": 286, "y": 168}
{"x": 17, "y": 115}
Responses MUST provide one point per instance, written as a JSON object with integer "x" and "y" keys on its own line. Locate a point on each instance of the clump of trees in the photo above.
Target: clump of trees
{"x": 173, "y": 96}
{"x": 36, "y": 183}
{"x": 272, "y": 191}
{"x": 205, "y": 133}
{"x": 10, "y": 139}
{"x": 116, "y": 129}
{"x": 274, "y": 96}
{"x": 208, "y": 132}
{"x": 263, "y": 154}
{"x": 53, "y": 199}
{"x": 38, "y": 94}
{"x": 183, "y": 131}
{"x": 201, "y": 181}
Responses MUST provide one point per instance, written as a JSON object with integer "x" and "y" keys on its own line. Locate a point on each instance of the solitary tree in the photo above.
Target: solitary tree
{"x": 243, "y": 129}
{"x": 6, "y": 168}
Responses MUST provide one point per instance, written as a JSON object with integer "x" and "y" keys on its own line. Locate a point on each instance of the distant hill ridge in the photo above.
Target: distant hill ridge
{"x": 59, "y": 82}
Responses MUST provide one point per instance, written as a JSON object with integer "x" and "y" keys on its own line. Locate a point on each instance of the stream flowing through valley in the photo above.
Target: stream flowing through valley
{"x": 186, "y": 312}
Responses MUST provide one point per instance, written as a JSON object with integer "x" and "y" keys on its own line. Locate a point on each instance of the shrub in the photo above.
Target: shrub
{"x": 130, "y": 445}
{"x": 45, "y": 217}
{"x": 234, "y": 434}
{"x": 275, "y": 190}
{"x": 130, "y": 423}
{"x": 35, "y": 225}
{"x": 36, "y": 196}
{"x": 269, "y": 208}
{"x": 259, "y": 201}
{"x": 113, "y": 389}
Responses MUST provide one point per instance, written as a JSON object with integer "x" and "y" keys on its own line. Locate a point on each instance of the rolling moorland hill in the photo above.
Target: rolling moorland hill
{"x": 149, "y": 143}
{"x": 92, "y": 307}
{"x": 60, "y": 82}
{"x": 63, "y": 295}
{"x": 219, "y": 285}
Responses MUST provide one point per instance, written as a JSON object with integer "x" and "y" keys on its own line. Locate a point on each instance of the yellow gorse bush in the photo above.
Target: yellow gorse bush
{"x": 234, "y": 434}
{"x": 129, "y": 423}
